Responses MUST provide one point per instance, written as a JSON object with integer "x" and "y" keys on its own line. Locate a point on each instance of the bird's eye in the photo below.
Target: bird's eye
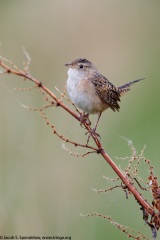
{"x": 81, "y": 66}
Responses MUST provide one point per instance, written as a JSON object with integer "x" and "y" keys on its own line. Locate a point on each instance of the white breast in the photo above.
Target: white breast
{"x": 81, "y": 93}
{"x": 73, "y": 82}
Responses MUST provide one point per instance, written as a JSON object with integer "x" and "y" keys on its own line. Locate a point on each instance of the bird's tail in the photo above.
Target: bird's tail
{"x": 126, "y": 87}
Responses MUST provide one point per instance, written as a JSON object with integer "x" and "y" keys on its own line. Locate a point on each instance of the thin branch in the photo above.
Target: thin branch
{"x": 106, "y": 190}
{"x": 67, "y": 140}
{"x": 127, "y": 230}
{"x": 15, "y": 71}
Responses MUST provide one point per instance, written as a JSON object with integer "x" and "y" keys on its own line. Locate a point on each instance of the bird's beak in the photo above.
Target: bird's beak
{"x": 68, "y": 64}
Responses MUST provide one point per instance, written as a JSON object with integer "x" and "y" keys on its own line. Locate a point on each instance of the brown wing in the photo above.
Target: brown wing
{"x": 106, "y": 91}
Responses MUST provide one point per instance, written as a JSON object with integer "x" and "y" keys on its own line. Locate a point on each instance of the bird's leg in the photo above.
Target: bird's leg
{"x": 93, "y": 131}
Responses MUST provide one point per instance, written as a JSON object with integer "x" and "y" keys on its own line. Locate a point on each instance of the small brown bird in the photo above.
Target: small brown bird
{"x": 92, "y": 92}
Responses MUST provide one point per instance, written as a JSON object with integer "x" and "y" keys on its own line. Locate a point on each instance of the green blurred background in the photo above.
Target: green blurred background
{"x": 43, "y": 189}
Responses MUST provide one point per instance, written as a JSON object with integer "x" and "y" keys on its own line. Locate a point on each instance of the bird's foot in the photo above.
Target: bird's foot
{"x": 84, "y": 118}
{"x": 93, "y": 133}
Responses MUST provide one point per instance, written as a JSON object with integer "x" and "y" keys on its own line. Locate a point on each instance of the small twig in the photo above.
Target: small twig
{"x": 106, "y": 190}
{"x": 76, "y": 154}
{"x": 67, "y": 140}
{"x": 111, "y": 179}
{"x": 123, "y": 228}
{"x": 25, "y": 89}
{"x": 145, "y": 189}
{"x": 26, "y": 63}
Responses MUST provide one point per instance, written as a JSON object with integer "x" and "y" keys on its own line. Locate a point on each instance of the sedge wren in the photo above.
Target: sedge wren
{"x": 92, "y": 92}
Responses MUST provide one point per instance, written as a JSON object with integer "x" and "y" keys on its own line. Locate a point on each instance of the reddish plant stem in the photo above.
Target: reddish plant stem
{"x": 39, "y": 84}
{"x": 124, "y": 179}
